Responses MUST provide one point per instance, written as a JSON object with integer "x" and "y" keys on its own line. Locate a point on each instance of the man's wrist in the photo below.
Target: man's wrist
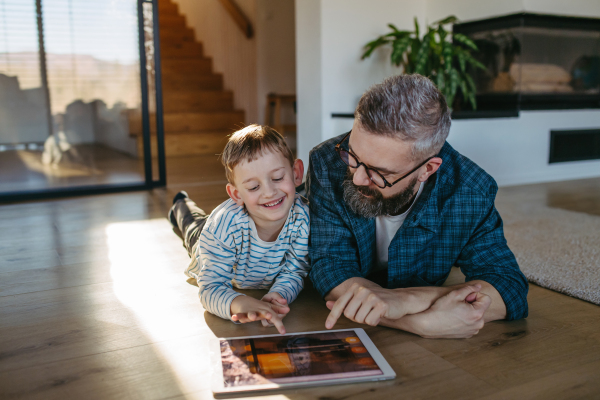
{"x": 418, "y": 299}
{"x": 413, "y": 323}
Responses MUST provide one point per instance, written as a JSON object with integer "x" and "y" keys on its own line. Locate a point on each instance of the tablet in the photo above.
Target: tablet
{"x": 270, "y": 362}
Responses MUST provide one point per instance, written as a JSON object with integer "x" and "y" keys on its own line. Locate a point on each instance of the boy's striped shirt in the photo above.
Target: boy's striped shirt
{"x": 230, "y": 254}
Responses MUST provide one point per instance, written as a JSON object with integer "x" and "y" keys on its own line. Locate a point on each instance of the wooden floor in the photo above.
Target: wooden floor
{"x": 94, "y": 305}
{"x": 93, "y": 164}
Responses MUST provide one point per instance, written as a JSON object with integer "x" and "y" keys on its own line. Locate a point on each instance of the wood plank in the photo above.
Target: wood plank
{"x": 176, "y": 66}
{"x": 193, "y": 143}
{"x": 182, "y": 49}
{"x": 191, "y": 122}
{"x": 196, "y": 82}
{"x": 167, "y": 8}
{"x": 580, "y": 382}
{"x": 201, "y": 100}
{"x": 169, "y": 20}
{"x": 176, "y": 36}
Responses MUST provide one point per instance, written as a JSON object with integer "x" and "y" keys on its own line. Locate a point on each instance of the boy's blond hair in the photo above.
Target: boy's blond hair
{"x": 251, "y": 142}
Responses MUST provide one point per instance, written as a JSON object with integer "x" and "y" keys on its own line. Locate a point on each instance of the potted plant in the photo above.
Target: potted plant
{"x": 440, "y": 55}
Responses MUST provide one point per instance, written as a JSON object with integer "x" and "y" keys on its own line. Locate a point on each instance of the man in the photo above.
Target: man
{"x": 393, "y": 207}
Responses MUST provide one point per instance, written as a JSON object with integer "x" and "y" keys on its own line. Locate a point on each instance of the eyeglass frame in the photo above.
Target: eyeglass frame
{"x": 338, "y": 149}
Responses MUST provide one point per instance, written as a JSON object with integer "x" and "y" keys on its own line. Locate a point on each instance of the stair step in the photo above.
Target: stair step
{"x": 169, "y": 20}
{"x": 192, "y": 83}
{"x": 167, "y": 8}
{"x": 190, "y": 122}
{"x": 186, "y": 144}
{"x": 204, "y": 121}
{"x": 178, "y": 66}
{"x": 191, "y": 101}
{"x": 172, "y": 36}
{"x": 182, "y": 50}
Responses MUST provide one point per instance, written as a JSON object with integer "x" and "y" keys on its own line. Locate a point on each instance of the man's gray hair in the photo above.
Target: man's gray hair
{"x": 407, "y": 107}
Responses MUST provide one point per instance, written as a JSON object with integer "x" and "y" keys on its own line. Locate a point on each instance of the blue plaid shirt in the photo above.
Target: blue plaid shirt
{"x": 453, "y": 223}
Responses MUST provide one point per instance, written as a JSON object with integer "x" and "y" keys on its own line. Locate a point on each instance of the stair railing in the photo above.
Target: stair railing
{"x": 240, "y": 19}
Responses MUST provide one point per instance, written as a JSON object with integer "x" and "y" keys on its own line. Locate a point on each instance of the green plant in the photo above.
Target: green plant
{"x": 435, "y": 55}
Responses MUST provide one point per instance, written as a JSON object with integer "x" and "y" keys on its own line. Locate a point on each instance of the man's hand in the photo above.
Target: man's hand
{"x": 277, "y": 300}
{"x": 459, "y": 314}
{"x": 248, "y": 309}
{"x": 369, "y": 304}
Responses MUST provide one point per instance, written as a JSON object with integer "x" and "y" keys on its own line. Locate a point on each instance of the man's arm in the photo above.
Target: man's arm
{"x": 487, "y": 259}
{"x": 365, "y": 302}
{"x": 458, "y": 314}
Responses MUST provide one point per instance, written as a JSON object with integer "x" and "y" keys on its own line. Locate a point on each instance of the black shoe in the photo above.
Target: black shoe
{"x": 179, "y": 196}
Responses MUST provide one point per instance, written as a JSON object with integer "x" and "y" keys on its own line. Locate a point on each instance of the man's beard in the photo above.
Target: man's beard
{"x": 376, "y": 205}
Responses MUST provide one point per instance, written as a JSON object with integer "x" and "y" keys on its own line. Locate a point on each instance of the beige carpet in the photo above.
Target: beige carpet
{"x": 555, "y": 248}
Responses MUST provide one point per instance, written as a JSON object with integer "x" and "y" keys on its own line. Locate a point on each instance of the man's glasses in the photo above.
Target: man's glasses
{"x": 375, "y": 176}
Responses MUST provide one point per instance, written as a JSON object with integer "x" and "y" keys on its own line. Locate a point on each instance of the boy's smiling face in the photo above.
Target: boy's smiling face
{"x": 266, "y": 186}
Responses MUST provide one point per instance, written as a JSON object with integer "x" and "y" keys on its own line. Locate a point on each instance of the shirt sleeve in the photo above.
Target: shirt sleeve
{"x": 487, "y": 257}
{"x": 214, "y": 272}
{"x": 290, "y": 280}
{"x": 333, "y": 249}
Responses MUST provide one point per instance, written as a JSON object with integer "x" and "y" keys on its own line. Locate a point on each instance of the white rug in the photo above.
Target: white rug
{"x": 555, "y": 248}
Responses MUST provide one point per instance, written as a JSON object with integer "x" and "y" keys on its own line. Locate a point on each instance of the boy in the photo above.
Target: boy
{"x": 255, "y": 240}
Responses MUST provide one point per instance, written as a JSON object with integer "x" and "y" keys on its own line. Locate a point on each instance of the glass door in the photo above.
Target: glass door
{"x": 77, "y": 94}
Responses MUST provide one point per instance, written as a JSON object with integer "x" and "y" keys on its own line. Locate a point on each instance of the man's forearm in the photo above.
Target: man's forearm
{"x": 421, "y": 298}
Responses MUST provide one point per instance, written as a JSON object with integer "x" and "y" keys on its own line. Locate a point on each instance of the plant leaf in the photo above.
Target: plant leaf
{"x": 398, "y": 34}
{"x": 459, "y": 37}
{"x": 447, "y": 54}
{"x": 473, "y": 101}
{"x": 440, "y": 81}
{"x": 399, "y": 47}
{"x": 371, "y": 46}
{"x": 421, "y": 59}
{"x": 454, "y": 82}
{"x": 471, "y": 83}
{"x": 462, "y": 61}
{"x": 393, "y": 27}
{"x": 442, "y": 33}
{"x": 468, "y": 92}
{"x": 448, "y": 20}
{"x": 473, "y": 61}
{"x": 416, "y": 27}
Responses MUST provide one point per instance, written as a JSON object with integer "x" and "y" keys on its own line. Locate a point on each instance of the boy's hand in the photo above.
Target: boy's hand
{"x": 248, "y": 309}
{"x": 278, "y": 303}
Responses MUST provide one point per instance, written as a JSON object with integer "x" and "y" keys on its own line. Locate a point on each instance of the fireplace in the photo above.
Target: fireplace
{"x": 536, "y": 62}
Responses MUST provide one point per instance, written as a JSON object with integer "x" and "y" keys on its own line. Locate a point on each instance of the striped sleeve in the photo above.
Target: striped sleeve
{"x": 214, "y": 272}
{"x": 290, "y": 280}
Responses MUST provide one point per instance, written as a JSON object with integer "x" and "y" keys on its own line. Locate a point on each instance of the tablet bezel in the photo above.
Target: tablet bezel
{"x": 217, "y": 366}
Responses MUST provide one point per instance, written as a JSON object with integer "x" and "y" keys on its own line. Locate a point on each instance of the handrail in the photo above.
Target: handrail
{"x": 240, "y": 19}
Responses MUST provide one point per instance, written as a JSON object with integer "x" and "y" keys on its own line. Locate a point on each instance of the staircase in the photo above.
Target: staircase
{"x": 198, "y": 113}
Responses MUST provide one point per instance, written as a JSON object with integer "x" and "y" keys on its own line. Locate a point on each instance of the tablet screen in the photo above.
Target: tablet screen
{"x": 295, "y": 358}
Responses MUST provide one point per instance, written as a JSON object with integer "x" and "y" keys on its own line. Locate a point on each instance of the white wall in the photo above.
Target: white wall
{"x": 308, "y": 76}
{"x": 331, "y": 78}
{"x": 329, "y": 39}
{"x": 515, "y": 150}
{"x": 276, "y": 50}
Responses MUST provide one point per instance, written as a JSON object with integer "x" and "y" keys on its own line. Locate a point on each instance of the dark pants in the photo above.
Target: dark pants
{"x": 190, "y": 221}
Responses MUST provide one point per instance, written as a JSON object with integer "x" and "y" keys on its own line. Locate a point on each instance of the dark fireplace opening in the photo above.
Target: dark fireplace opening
{"x": 574, "y": 145}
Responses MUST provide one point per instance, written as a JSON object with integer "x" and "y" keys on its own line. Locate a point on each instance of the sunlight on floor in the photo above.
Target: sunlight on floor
{"x": 146, "y": 265}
